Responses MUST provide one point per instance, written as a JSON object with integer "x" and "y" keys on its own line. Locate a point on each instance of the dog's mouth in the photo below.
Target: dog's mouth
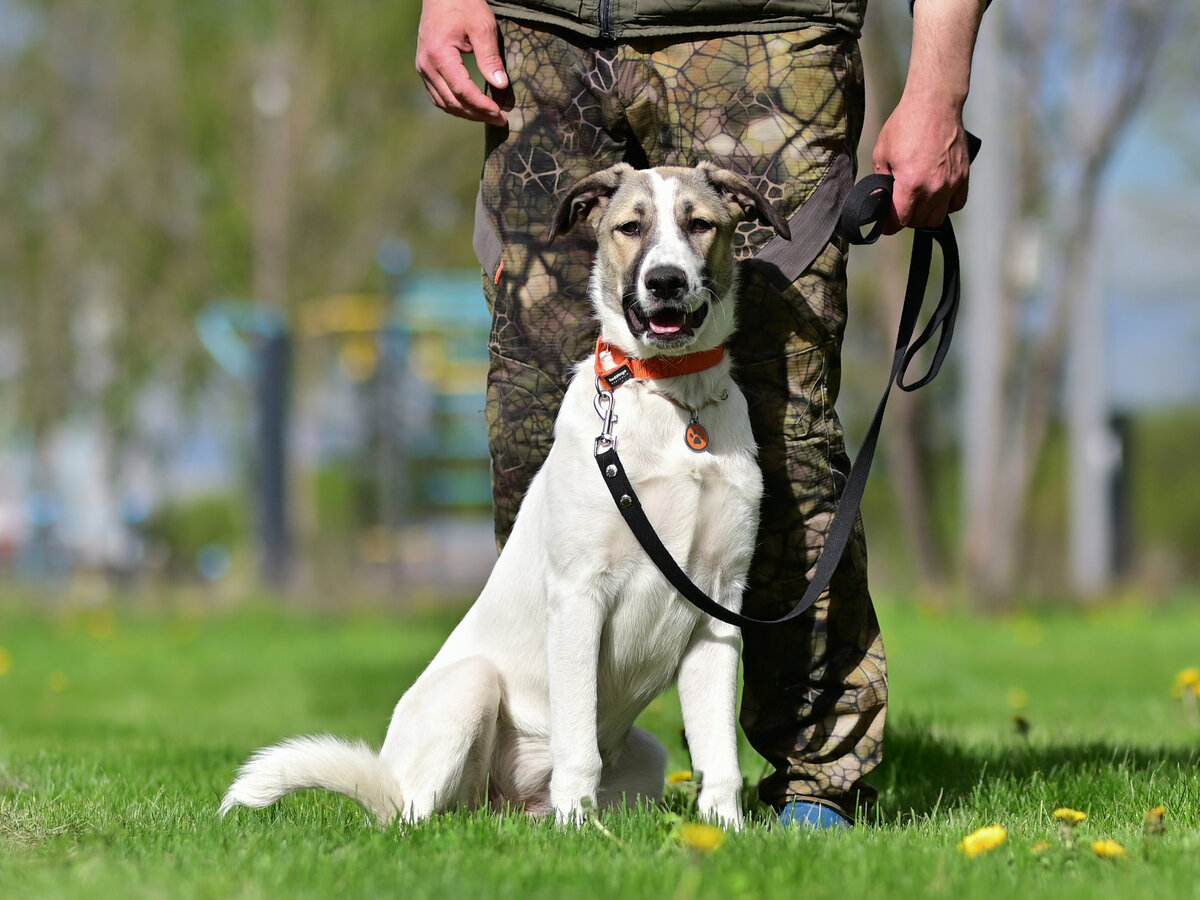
{"x": 666, "y": 324}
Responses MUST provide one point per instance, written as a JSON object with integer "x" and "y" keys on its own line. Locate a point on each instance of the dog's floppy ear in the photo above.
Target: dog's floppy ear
{"x": 737, "y": 190}
{"x": 584, "y": 196}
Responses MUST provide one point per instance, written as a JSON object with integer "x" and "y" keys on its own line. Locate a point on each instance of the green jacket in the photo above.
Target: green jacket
{"x": 626, "y": 19}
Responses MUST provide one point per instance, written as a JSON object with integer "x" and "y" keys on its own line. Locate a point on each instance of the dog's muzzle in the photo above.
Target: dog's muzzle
{"x": 663, "y": 315}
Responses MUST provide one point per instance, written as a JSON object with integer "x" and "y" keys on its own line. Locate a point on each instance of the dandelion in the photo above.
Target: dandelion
{"x": 679, "y": 777}
{"x": 5, "y": 661}
{"x": 101, "y": 624}
{"x": 1186, "y": 681}
{"x": 1040, "y": 847}
{"x": 983, "y": 840}
{"x": 1109, "y": 849}
{"x": 1018, "y": 698}
{"x": 1067, "y": 820}
{"x": 1152, "y": 821}
{"x": 1071, "y": 817}
{"x": 699, "y": 837}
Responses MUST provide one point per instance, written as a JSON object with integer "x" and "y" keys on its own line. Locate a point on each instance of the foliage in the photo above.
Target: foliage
{"x": 186, "y": 527}
{"x": 120, "y": 731}
{"x": 132, "y": 158}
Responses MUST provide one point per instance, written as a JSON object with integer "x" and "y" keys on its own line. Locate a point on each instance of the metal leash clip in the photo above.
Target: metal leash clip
{"x": 606, "y": 410}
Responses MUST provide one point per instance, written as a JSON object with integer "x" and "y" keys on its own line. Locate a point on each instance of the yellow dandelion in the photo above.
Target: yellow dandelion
{"x": 983, "y": 840}
{"x": 101, "y": 624}
{"x": 1070, "y": 816}
{"x": 679, "y": 777}
{"x": 5, "y": 661}
{"x": 1109, "y": 850}
{"x": 1152, "y": 821}
{"x": 699, "y": 837}
{"x": 1188, "y": 679}
{"x": 1018, "y": 698}
{"x": 1040, "y": 847}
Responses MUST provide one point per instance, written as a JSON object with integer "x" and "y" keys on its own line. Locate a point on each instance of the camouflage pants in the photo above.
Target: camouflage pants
{"x": 776, "y": 108}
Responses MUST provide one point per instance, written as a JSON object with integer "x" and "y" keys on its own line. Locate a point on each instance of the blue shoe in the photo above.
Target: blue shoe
{"x": 809, "y": 814}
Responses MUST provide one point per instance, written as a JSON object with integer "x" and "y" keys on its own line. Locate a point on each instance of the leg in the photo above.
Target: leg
{"x": 559, "y": 131}
{"x": 440, "y": 741}
{"x": 637, "y": 774}
{"x": 573, "y": 652}
{"x": 708, "y": 697}
{"x": 815, "y": 692}
{"x": 815, "y": 695}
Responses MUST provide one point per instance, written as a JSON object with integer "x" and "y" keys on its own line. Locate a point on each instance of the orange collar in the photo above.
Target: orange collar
{"x": 628, "y": 367}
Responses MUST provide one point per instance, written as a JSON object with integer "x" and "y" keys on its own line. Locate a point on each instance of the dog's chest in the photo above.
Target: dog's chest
{"x": 704, "y": 510}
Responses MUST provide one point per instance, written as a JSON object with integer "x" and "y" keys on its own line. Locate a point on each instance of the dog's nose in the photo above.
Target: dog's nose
{"x": 666, "y": 282}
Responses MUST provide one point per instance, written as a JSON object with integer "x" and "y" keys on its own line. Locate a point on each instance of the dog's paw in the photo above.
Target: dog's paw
{"x": 725, "y": 811}
{"x": 573, "y": 814}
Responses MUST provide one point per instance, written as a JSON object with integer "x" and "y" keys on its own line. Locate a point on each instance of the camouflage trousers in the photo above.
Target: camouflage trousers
{"x": 777, "y": 109}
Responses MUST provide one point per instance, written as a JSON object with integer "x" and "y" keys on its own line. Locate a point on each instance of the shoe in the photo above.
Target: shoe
{"x": 810, "y": 814}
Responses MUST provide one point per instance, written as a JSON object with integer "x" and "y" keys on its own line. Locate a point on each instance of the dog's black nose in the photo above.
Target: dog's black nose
{"x": 666, "y": 282}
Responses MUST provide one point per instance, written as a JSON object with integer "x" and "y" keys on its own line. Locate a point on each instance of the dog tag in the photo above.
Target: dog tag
{"x": 696, "y": 436}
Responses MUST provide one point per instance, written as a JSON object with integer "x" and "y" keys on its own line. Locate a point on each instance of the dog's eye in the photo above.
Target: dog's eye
{"x": 632, "y": 229}
{"x": 701, "y": 226}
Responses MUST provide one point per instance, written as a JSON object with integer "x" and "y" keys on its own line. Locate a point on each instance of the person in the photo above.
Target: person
{"x": 773, "y": 91}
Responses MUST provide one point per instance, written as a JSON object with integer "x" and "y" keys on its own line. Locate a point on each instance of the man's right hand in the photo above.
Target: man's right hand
{"x": 450, "y": 29}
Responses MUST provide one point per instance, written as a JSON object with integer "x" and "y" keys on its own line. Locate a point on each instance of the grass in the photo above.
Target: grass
{"x": 119, "y": 732}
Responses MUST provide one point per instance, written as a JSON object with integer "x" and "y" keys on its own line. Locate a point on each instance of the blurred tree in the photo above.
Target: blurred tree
{"x": 908, "y": 452}
{"x": 1074, "y": 78}
{"x": 140, "y": 181}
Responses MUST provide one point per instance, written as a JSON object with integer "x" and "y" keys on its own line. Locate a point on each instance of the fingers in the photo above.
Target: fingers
{"x": 451, "y": 89}
{"x": 449, "y": 30}
{"x": 924, "y": 191}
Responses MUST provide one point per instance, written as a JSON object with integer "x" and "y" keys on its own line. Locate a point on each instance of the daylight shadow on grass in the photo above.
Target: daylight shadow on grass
{"x": 923, "y": 772}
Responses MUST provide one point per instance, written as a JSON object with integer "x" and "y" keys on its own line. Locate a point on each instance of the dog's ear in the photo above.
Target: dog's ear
{"x": 738, "y": 192}
{"x": 585, "y": 196}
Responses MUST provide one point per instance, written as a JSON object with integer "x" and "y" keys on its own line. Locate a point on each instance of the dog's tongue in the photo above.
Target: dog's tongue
{"x": 668, "y": 322}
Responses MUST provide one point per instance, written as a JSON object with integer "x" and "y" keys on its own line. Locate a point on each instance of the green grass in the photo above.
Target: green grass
{"x": 119, "y": 732}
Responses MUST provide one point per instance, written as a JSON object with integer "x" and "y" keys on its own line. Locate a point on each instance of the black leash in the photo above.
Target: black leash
{"x": 867, "y": 205}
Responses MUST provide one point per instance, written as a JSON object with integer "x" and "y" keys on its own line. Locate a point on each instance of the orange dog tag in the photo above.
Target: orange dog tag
{"x": 697, "y": 437}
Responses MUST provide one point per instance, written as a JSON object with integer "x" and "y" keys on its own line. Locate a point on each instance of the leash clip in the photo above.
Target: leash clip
{"x": 606, "y": 410}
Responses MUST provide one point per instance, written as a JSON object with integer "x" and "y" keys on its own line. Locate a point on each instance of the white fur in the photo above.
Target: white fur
{"x": 532, "y": 699}
{"x": 670, "y": 246}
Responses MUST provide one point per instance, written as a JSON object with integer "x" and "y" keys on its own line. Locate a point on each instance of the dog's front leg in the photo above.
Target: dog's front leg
{"x": 575, "y": 625}
{"x": 708, "y": 697}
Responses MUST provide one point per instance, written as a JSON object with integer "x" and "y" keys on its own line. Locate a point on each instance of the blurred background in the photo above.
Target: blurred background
{"x": 243, "y": 340}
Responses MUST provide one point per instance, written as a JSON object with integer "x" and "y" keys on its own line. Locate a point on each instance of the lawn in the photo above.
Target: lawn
{"x": 119, "y": 731}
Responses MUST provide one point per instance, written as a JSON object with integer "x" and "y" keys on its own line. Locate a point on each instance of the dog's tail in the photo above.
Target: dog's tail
{"x": 320, "y": 761}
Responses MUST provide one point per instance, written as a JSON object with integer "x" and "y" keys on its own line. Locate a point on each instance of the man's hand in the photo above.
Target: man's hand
{"x": 922, "y": 144}
{"x": 450, "y": 29}
{"x": 924, "y": 147}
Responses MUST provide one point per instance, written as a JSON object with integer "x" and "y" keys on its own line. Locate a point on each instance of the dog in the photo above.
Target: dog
{"x": 531, "y": 702}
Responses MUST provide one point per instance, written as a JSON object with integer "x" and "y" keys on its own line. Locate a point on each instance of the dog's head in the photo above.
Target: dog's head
{"x": 664, "y": 280}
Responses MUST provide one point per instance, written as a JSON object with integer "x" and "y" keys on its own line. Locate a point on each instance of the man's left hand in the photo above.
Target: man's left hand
{"x": 924, "y": 147}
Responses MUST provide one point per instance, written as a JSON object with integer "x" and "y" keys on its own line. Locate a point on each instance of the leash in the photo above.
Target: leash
{"x": 867, "y": 206}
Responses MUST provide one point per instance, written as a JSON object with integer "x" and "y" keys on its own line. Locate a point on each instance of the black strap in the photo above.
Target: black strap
{"x": 867, "y": 206}
{"x": 783, "y": 260}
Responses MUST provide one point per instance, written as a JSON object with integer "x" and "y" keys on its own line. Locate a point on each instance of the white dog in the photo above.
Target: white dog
{"x": 532, "y": 699}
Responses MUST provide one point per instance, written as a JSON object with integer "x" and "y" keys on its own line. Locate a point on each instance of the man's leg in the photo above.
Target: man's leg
{"x": 559, "y": 131}
{"x": 815, "y": 696}
{"x": 779, "y": 109}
